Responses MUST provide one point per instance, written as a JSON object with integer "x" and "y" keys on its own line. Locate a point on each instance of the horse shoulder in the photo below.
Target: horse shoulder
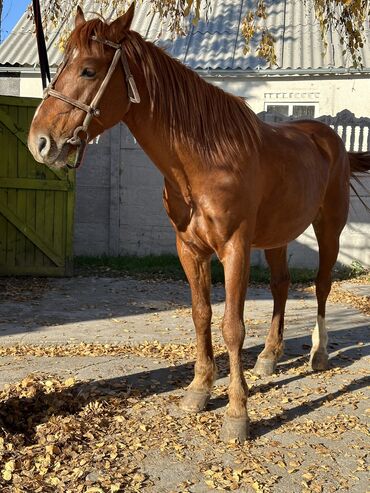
{"x": 178, "y": 205}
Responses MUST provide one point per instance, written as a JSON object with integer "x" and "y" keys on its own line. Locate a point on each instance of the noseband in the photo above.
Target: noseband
{"x": 80, "y": 136}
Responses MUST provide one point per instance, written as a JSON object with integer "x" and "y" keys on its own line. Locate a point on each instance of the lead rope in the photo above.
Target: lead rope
{"x": 41, "y": 45}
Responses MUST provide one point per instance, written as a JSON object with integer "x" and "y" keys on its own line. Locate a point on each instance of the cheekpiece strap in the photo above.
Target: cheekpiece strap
{"x": 133, "y": 93}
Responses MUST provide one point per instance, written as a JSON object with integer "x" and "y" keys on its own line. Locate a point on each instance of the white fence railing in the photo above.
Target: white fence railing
{"x": 354, "y": 131}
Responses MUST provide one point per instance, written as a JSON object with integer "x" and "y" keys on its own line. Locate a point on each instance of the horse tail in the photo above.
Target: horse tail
{"x": 359, "y": 164}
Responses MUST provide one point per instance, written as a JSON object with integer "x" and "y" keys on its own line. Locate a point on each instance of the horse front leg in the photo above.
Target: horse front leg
{"x": 198, "y": 272}
{"x": 236, "y": 260}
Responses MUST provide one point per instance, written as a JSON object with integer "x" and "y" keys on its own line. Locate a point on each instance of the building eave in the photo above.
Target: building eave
{"x": 263, "y": 73}
{"x": 231, "y": 74}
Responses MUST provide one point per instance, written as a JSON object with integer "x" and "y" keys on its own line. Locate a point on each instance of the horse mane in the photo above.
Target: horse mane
{"x": 214, "y": 124}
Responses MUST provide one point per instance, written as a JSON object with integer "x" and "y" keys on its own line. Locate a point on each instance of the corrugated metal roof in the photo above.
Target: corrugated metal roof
{"x": 214, "y": 45}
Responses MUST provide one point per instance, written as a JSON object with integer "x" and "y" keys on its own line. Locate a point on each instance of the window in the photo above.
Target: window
{"x": 292, "y": 109}
{"x": 283, "y": 109}
{"x": 303, "y": 111}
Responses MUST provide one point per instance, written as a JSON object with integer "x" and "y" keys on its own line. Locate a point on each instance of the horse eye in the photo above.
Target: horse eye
{"x": 88, "y": 73}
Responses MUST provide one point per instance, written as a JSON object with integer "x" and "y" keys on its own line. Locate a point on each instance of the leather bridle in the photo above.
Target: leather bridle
{"x": 80, "y": 135}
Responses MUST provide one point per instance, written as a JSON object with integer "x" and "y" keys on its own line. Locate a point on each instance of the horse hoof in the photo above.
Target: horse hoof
{"x": 264, "y": 367}
{"x": 235, "y": 429}
{"x": 195, "y": 401}
{"x": 319, "y": 361}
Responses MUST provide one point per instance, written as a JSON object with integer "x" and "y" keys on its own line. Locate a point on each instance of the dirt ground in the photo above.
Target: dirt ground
{"x": 92, "y": 370}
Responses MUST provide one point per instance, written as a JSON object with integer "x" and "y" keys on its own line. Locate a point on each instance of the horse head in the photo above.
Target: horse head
{"x": 91, "y": 92}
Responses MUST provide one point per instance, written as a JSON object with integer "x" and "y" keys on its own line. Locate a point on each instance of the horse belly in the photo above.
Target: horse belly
{"x": 274, "y": 237}
{"x": 285, "y": 216}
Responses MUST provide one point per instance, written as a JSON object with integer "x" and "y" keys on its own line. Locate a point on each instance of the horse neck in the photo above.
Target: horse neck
{"x": 153, "y": 136}
{"x": 173, "y": 133}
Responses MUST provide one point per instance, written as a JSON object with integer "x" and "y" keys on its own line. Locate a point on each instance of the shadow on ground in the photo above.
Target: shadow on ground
{"x": 21, "y": 415}
{"x": 30, "y": 304}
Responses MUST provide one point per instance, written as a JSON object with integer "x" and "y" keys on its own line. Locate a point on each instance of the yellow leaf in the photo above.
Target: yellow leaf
{"x": 10, "y": 465}
{"x": 69, "y": 382}
{"x": 138, "y": 477}
{"x": 307, "y": 476}
{"x": 7, "y": 475}
{"x": 256, "y": 486}
{"x": 115, "y": 487}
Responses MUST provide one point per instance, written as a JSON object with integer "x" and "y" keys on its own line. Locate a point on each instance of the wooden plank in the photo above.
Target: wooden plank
{"x": 30, "y": 220}
{"x": 12, "y": 159}
{"x": 49, "y": 220}
{"x": 59, "y": 221}
{"x": 40, "y": 223}
{"x": 26, "y": 270}
{"x": 20, "y": 257}
{"x": 18, "y": 101}
{"x": 31, "y": 164}
{"x": 31, "y": 234}
{"x": 20, "y": 247}
{"x": 3, "y": 230}
{"x": 34, "y": 184}
{"x": 3, "y": 193}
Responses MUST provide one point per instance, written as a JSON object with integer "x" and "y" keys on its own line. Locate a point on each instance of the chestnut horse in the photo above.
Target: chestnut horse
{"x": 232, "y": 183}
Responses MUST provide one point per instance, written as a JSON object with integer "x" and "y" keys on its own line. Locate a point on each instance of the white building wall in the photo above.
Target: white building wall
{"x": 30, "y": 85}
{"x": 332, "y": 95}
{"x": 119, "y": 192}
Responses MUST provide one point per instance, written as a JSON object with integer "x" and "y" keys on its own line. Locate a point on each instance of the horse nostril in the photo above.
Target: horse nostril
{"x": 42, "y": 144}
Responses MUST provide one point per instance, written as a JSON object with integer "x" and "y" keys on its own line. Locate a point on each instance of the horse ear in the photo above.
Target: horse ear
{"x": 122, "y": 24}
{"x": 80, "y": 18}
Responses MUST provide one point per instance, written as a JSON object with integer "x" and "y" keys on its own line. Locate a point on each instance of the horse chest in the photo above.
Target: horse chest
{"x": 189, "y": 221}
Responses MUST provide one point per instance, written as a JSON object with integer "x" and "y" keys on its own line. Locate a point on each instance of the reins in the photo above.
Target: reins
{"x": 80, "y": 135}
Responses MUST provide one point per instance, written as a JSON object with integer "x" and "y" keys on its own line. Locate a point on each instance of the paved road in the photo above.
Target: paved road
{"x": 308, "y": 429}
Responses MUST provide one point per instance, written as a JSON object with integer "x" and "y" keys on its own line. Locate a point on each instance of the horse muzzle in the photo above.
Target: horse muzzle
{"x": 46, "y": 150}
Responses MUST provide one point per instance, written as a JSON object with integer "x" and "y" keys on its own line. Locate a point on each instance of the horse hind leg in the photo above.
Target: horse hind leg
{"x": 280, "y": 280}
{"x": 327, "y": 231}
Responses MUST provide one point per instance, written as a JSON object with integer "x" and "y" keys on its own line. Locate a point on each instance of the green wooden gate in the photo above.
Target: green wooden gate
{"x": 36, "y": 203}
